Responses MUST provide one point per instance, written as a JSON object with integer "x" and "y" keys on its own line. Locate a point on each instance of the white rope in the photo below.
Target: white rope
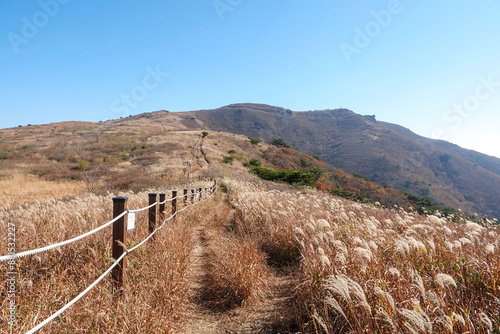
{"x": 83, "y": 293}
{"x": 148, "y": 207}
{"x": 63, "y": 243}
{"x": 60, "y": 244}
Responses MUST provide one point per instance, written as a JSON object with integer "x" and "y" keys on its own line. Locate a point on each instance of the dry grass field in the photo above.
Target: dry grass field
{"x": 360, "y": 269}
{"x": 18, "y": 187}
{"x": 258, "y": 257}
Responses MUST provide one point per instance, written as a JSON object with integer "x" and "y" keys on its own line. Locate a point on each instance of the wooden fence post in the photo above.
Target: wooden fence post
{"x": 174, "y": 204}
{"x": 119, "y": 234}
{"x": 199, "y": 191}
{"x": 192, "y": 196}
{"x": 162, "y": 207}
{"x": 152, "y": 213}
{"x": 185, "y": 197}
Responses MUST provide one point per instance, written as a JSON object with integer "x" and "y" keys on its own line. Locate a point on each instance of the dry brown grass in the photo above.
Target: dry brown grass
{"x": 235, "y": 269}
{"x": 236, "y": 272}
{"x": 157, "y": 283}
{"x": 18, "y": 188}
{"x": 370, "y": 270}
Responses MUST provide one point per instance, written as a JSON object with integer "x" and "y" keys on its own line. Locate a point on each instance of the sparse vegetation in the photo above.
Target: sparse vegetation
{"x": 253, "y": 163}
{"x": 286, "y": 176}
{"x": 227, "y": 159}
{"x": 361, "y": 176}
{"x": 318, "y": 172}
{"x": 280, "y": 142}
{"x": 83, "y": 165}
{"x": 255, "y": 141}
{"x": 317, "y": 157}
{"x": 204, "y": 134}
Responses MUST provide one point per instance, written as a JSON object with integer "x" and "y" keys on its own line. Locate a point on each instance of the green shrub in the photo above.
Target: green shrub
{"x": 360, "y": 176}
{"x": 254, "y": 141}
{"x": 280, "y": 142}
{"x": 312, "y": 168}
{"x": 83, "y": 165}
{"x": 255, "y": 163}
{"x": 286, "y": 176}
{"x": 204, "y": 133}
{"x": 231, "y": 152}
{"x": 227, "y": 160}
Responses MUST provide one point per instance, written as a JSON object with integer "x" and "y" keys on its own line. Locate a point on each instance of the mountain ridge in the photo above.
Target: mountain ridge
{"x": 386, "y": 153}
{"x": 359, "y": 144}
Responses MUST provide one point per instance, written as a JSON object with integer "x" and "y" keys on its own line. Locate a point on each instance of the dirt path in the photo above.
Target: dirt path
{"x": 268, "y": 316}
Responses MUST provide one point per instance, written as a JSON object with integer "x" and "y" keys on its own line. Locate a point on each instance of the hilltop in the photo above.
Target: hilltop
{"x": 386, "y": 153}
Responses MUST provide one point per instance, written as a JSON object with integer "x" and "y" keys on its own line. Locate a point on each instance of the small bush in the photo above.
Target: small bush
{"x": 83, "y": 165}
{"x": 280, "y": 142}
{"x": 312, "y": 168}
{"x": 255, "y": 163}
{"x": 231, "y": 152}
{"x": 204, "y": 133}
{"x": 286, "y": 176}
{"x": 254, "y": 141}
{"x": 227, "y": 160}
{"x": 361, "y": 176}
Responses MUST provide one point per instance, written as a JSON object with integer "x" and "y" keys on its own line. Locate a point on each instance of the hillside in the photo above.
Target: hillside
{"x": 255, "y": 257}
{"x": 384, "y": 152}
{"x": 139, "y": 153}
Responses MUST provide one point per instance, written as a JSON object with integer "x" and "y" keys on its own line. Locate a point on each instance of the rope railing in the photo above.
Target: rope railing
{"x": 122, "y": 245}
{"x": 60, "y": 244}
{"x": 170, "y": 199}
{"x": 146, "y": 208}
{"x": 69, "y": 241}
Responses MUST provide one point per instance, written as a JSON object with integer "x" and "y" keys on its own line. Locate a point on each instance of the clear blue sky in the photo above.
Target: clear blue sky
{"x": 431, "y": 66}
